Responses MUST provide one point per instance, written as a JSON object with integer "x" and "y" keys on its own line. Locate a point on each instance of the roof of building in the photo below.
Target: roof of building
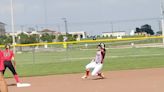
{"x": 2, "y": 23}
{"x": 47, "y": 30}
{"x": 114, "y": 32}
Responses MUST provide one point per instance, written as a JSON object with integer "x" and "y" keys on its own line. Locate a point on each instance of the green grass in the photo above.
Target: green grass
{"x": 74, "y": 61}
{"x": 121, "y": 43}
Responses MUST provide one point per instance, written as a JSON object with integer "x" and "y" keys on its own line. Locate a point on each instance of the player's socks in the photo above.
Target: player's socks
{"x": 16, "y": 78}
{"x": 21, "y": 84}
{"x": 86, "y": 75}
{"x": 87, "y": 72}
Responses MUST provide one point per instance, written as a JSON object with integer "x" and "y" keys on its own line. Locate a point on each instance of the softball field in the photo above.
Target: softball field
{"x": 142, "y": 80}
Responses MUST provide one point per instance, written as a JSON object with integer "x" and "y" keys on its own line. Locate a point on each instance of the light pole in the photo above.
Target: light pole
{"x": 45, "y": 13}
{"x": 66, "y": 26}
{"x": 162, "y": 19}
{"x": 111, "y": 26}
{"x": 12, "y": 25}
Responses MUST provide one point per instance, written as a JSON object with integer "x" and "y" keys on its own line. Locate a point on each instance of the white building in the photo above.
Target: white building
{"x": 17, "y": 33}
{"x": 114, "y": 34}
{"x": 132, "y": 33}
{"x": 34, "y": 32}
{"x": 52, "y": 32}
{"x": 80, "y": 35}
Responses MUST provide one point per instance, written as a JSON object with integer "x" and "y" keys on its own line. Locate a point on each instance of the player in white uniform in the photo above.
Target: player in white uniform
{"x": 97, "y": 63}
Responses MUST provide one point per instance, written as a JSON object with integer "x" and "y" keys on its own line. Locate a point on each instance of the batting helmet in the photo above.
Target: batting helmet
{"x": 102, "y": 45}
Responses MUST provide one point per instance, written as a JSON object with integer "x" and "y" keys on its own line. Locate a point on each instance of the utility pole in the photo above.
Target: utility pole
{"x": 111, "y": 23}
{"x": 162, "y": 19}
{"x": 12, "y": 25}
{"x": 111, "y": 26}
{"x": 45, "y": 13}
{"x": 66, "y": 25}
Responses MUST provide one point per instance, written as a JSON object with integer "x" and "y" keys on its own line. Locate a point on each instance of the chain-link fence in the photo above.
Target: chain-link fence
{"x": 72, "y": 58}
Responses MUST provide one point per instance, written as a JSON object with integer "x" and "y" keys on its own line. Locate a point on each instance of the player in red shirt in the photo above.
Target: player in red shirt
{"x": 3, "y": 86}
{"x": 8, "y": 58}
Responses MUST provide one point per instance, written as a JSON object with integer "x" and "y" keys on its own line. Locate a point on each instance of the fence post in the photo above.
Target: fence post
{"x": 33, "y": 54}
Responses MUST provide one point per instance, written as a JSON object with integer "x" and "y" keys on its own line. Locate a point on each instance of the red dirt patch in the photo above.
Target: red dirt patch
{"x": 147, "y": 80}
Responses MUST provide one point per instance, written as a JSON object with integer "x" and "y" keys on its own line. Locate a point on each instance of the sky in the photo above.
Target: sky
{"x": 92, "y": 16}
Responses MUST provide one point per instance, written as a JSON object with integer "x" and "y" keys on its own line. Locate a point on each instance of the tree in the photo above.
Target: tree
{"x": 145, "y": 28}
{"x": 159, "y": 33}
{"x": 70, "y": 37}
{"x": 5, "y": 39}
{"x": 34, "y": 38}
{"x": 2, "y": 39}
{"x": 8, "y": 39}
{"x": 98, "y": 36}
{"x": 138, "y": 30}
{"x": 23, "y": 38}
{"x": 60, "y": 38}
{"x": 47, "y": 37}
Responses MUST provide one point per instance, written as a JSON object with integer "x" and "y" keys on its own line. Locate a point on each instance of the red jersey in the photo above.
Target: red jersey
{"x": 8, "y": 54}
{"x": 1, "y": 61}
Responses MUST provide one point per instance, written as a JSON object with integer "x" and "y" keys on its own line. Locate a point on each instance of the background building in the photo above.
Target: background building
{"x": 81, "y": 35}
{"x": 2, "y": 29}
{"x": 51, "y": 32}
{"x": 114, "y": 34}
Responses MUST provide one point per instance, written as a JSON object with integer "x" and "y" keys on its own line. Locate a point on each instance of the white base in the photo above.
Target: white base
{"x": 23, "y": 85}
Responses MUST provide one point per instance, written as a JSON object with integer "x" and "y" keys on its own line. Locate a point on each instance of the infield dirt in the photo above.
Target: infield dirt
{"x": 145, "y": 80}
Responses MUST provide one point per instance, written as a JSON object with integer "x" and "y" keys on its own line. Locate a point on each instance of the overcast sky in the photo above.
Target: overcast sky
{"x": 36, "y": 12}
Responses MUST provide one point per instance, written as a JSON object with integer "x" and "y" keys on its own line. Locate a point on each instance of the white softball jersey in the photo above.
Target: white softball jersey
{"x": 96, "y": 64}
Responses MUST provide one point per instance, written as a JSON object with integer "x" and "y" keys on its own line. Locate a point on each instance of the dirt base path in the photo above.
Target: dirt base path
{"x": 147, "y": 80}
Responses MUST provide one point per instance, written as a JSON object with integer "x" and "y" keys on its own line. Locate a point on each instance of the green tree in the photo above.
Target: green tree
{"x": 98, "y": 36}
{"x": 159, "y": 33}
{"x": 1, "y": 40}
{"x": 23, "y": 38}
{"x": 5, "y": 39}
{"x": 145, "y": 28}
{"x": 47, "y": 37}
{"x": 60, "y": 38}
{"x": 34, "y": 38}
{"x": 70, "y": 37}
{"x": 8, "y": 39}
{"x": 138, "y": 30}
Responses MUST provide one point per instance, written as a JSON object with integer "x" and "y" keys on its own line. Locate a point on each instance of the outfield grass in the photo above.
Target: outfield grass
{"x": 74, "y": 61}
